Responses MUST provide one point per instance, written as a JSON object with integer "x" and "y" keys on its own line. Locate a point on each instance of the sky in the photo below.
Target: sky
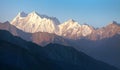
{"x": 97, "y": 13}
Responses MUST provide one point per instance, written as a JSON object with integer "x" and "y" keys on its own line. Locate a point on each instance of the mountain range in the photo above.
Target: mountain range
{"x": 25, "y": 55}
{"x": 99, "y": 43}
{"x": 71, "y": 29}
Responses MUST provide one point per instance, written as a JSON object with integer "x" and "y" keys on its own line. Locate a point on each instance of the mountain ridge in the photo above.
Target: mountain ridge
{"x": 94, "y": 42}
{"x": 71, "y": 29}
{"x": 105, "y": 38}
{"x": 53, "y": 56}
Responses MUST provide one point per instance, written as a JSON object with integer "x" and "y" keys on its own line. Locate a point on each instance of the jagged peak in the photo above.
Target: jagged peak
{"x": 42, "y": 15}
{"x": 113, "y": 23}
{"x": 70, "y": 23}
{"x": 71, "y": 20}
{"x": 86, "y": 24}
{"x": 34, "y": 13}
{"x": 22, "y": 14}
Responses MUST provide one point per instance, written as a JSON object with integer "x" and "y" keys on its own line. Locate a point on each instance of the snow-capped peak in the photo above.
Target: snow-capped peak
{"x": 73, "y": 29}
{"x": 34, "y": 13}
{"x": 33, "y": 22}
{"x": 71, "y": 20}
{"x": 22, "y": 14}
{"x": 71, "y": 24}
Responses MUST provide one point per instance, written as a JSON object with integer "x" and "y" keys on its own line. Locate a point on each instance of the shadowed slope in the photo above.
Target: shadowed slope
{"x": 53, "y": 56}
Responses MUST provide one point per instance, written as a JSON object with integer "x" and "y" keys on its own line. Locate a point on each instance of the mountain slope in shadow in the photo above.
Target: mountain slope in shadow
{"x": 40, "y": 38}
{"x": 18, "y": 54}
{"x": 107, "y": 50}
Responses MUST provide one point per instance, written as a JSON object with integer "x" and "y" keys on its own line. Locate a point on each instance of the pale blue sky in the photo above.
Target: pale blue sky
{"x": 96, "y": 13}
